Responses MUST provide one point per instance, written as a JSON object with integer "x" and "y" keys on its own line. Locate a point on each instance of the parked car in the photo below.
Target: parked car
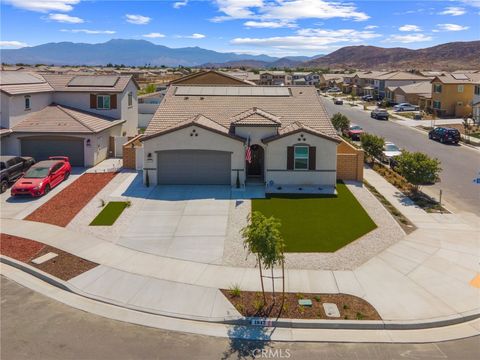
{"x": 367, "y": 98}
{"x": 353, "y": 132}
{"x": 338, "y": 101}
{"x": 378, "y": 113}
{"x": 404, "y": 107}
{"x": 43, "y": 176}
{"x": 333, "y": 90}
{"x": 11, "y": 168}
{"x": 390, "y": 150}
{"x": 445, "y": 135}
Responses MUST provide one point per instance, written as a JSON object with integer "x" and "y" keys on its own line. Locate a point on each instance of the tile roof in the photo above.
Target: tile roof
{"x": 303, "y": 104}
{"x": 61, "y": 119}
{"x": 458, "y": 78}
{"x": 61, "y": 82}
{"x": 296, "y": 127}
{"x": 255, "y": 116}
{"x": 19, "y": 82}
{"x": 423, "y": 88}
{"x": 400, "y": 75}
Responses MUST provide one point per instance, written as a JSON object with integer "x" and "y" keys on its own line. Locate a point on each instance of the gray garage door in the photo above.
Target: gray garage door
{"x": 42, "y": 148}
{"x": 188, "y": 167}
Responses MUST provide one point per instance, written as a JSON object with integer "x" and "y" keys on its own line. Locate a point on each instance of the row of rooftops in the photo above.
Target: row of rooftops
{"x": 19, "y": 82}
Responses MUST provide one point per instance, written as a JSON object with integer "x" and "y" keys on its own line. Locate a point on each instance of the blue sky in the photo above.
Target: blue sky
{"x": 273, "y": 27}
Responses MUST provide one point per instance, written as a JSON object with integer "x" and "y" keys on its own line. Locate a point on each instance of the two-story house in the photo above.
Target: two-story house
{"x": 83, "y": 117}
{"x": 394, "y": 78}
{"x": 275, "y": 78}
{"x": 453, "y": 93}
{"x": 476, "y": 102}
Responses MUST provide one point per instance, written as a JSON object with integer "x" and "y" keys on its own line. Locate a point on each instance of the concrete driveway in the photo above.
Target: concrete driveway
{"x": 20, "y": 207}
{"x": 185, "y": 222}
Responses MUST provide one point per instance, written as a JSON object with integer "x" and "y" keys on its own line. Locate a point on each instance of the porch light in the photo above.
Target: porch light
{"x": 88, "y": 142}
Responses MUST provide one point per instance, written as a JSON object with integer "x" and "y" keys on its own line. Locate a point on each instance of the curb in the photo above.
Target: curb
{"x": 269, "y": 322}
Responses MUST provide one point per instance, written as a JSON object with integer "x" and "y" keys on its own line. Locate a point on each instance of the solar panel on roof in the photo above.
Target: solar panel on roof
{"x": 460, "y": 76}
{"x": 15, "y": 77}
{"x": 231, "y": 91}
{"x": 97, "y": 81}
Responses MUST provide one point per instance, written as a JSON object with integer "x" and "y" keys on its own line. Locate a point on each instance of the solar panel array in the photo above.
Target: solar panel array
{"x": 96, "y": 81}
{"x": 18, "y": 77}
{"x": 232, "y": 91}
{"x": 460, "y": 76}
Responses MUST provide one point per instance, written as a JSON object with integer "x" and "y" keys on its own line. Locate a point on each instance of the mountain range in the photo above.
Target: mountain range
{"x": 450, "y": 56}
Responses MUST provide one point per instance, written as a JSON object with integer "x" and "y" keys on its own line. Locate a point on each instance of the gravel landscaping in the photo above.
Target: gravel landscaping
{"x": 64, "y": 266}
{"x": 348, "y": 257}
{"x": 64, "y": 206}
{"x": 249, "y": 303}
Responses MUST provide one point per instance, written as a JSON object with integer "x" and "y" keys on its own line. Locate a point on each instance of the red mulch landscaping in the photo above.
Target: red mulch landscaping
{"x": 64, "y": 206}
{"x": 250, "y": 303}
{"x": 19, "y": 248}
{"x": 65, "y": 266}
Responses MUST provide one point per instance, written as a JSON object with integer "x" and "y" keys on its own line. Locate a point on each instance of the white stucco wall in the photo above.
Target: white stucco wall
{"x": 206, "y": 140}
{"x": 129, "y": 113}
{"x": 256, "y": 133}
{"x": 15, "y": 107}
{"x": 325, "y": 167}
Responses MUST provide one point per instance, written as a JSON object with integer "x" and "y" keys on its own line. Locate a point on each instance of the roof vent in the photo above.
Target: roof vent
{"x": 185, "y": 98}
{"x": 201, "y": 98}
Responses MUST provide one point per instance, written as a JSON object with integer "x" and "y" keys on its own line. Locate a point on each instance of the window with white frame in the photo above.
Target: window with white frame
{"x": 130, "y": 99}
{"x": 103, "y": 102}
{"x": 27, "y": 102}
{"x": 460, "y": 88}
{"x": 301, "y": 158}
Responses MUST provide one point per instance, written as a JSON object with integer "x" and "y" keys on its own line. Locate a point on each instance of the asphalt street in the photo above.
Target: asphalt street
{"x": 460, "y": 164}
{"x": 36, "y": 327}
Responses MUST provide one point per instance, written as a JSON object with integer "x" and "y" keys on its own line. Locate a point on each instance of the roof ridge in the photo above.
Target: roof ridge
{"x": 67, "y": 111}
{"x": 195, "y": 118}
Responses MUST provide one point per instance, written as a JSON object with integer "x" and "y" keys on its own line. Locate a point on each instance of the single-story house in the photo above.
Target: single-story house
{"x": 236, "y": 134}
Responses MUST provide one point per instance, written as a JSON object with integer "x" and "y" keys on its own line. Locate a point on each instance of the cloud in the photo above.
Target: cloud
{"x": 12, "y": 44}
{"x": 409, "y": 38}
{"x": 43, "y": 5}
{"x": 89, "y": 32}
{"x": 450, "y": 27}
{"x": 453, "y": 10}
{"x": 409, "y": 28}
{"x": 310, "y": 39}
{"x": 180, "y": 4}
{"x": 64, "y": 18}
{"x": 370, "y": 27}
{"x": 138, "y": 19}
{"x": 287, "y": 10}
{"x": 268, "y": 24}
{"x": 193, "y": 36}
{"x": 154, "y": 35}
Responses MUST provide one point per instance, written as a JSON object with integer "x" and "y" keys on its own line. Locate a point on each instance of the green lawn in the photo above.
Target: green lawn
{"x": 110, "y": 213}
{"x": 317, "y": 223}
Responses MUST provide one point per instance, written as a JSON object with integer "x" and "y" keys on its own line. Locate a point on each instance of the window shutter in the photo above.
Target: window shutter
{"x": 290, "y": 160}
{"x": 93, "y": 101}
{"x": 113, "y": 101}
{"x": 312, "y": 157}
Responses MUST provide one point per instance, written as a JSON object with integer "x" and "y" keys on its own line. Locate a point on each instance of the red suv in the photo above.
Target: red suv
{"x": 42, "y": 177}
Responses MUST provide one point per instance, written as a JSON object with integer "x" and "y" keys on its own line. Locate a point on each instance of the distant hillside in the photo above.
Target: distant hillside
{"x": 285, "y": 62}
{"x": 450, "y": 56}
{"x": 128, "y": 52}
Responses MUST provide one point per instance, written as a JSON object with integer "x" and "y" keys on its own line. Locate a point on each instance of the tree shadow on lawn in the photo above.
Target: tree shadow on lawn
{"x": 247, "y": 341}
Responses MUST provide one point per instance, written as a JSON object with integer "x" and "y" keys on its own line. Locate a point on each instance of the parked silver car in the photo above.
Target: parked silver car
{"x": 404, "y": 107}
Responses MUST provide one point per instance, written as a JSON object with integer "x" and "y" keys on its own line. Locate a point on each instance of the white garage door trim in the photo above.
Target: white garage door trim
{"x": 194, "y": 167}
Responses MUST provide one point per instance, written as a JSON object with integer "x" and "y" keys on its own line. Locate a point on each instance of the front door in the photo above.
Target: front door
{"x": 255, "y": 167}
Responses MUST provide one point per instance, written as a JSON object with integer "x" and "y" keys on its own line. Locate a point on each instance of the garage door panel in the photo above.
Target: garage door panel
{"x": 42, "y": 149}
{"x": 189, "y": 167}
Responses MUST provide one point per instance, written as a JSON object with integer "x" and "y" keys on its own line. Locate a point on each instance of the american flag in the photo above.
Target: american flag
{"x": 248, "y": 152}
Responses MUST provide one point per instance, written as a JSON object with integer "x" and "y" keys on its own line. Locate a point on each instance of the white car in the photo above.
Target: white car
{"x": 404, "y": 107}
{"x": 390, "y": 150}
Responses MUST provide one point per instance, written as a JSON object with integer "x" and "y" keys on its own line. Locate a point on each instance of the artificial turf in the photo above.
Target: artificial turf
{"x": 109, "y": 214}
{"x": 317, "y": 223}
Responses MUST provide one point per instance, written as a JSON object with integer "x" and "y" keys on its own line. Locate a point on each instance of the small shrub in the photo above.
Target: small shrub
{"x": 258, "y": 304}
{"x": 285, "y": 307}
{"x": 299, "y": 296}
{"x": 301, "y": 310}
{"x": 345, "y": 307}
{"x": 128, "y": 203}
{"x": 360, "y": 316}
{"x": 317, "y": 298}
{"x": 346, "y": 317}
{"x": 241, "y": 308}
{"x": 235, "y": 290}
